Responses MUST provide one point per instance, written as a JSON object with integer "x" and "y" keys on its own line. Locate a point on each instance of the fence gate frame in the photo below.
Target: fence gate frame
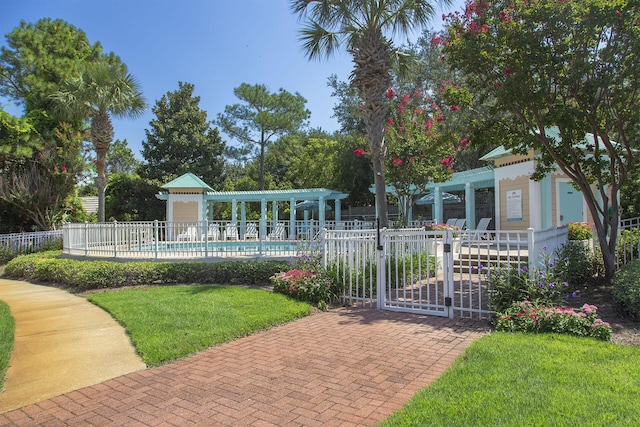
{"x": 414, "y": 271}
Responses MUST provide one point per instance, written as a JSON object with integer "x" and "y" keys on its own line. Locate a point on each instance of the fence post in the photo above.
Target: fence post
{"x": 205, "y": 227}
{"x": 533, "y": 251}
{"x": 155, "y": 238}
{"x": 447, "y": 267}
{"x": 115, "y": 240}
{"x": 380, "y": 269}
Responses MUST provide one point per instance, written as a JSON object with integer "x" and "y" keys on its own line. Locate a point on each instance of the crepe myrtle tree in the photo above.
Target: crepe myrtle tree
{"x": 569, "y": 65}
{"x": 421, "y": 149}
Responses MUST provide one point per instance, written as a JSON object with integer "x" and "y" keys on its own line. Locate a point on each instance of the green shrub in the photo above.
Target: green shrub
{"x": 536, "y": 318}
{"x": 307, "y": 280}
{"x": 509, "y": 285}
{"x": 5, "y": 255}
{"x": 575, "y": 263}
{"x": 626, "y": 288}
{"x": 579, "y": 231}
{"x": 94, "y": 274}
{"x": 627, "y": 244}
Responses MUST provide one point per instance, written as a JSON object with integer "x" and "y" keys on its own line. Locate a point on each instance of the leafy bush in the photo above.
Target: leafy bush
{"x": 538, "y": 318}
{"x": 307, "y": 280}
{"x": 5, "y": 255}
{"x": 575, "y": 263}
{"x": 579, "y": 231}
{"x": 93, "y": 274}
{"x": 628, "y": 243}
{"x": 509, "y": 285}
{"x": 315, "y": 288}
{"x": 626, "y": 288}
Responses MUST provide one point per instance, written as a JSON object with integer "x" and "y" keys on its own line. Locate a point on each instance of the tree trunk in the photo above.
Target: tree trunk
{"x": 101, "y": 135}
{"x": 371, "y": 77}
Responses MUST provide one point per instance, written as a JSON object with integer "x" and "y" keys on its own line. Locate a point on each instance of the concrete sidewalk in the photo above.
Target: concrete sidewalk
{"x": 62, "y": 343}
{"x": 344, "y": 367}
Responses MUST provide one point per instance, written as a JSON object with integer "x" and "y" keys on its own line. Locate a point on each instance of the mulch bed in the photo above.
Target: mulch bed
{"x": 625, "y": 330}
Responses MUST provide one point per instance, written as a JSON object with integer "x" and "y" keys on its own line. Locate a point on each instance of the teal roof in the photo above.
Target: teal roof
{"x": 496, "y": 153}
{"x": 279, "y": 195}
{"x": 188, "y": 180}
{"x": 480, "y": 178}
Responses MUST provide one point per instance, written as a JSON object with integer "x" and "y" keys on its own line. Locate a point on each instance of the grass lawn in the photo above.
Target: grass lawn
{"x": 7, "y": 330}
{"x": 508, "y": 379}
{"x": 169, "y": 322}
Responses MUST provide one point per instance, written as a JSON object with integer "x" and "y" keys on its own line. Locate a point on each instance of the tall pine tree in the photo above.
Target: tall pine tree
{"x": 181, "y": 140}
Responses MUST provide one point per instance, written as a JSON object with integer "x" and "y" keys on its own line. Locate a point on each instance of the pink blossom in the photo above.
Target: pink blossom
{"x": 618, "y": 14}
{"x": 390, "y": 93}
{"x": 507, "y": 72}
{"x": 64, "y": 169}
{"x": 447, "y": 162}
{"x": 464, "y": 142}
{"x": 390, "y": 121}
{"x": 454, "y": 108}
{"x": 396, "y": 162}
{"x": 440, "y": 119}
{"x": 429, "y": 124}
{"x": 359, "y": 152}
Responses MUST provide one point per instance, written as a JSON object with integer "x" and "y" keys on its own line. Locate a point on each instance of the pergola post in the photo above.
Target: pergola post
{"x": 470, "y": 205}
{"x": 437, "y": 214}
{"x": 263, "y": 219}
{"x": 292, "y": 219}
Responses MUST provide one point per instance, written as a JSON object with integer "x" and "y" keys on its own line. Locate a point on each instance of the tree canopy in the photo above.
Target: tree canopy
{"x": 181, "y": 140}
{"x": 565, "y": 65}
{"x": 364, "y": 28}
{"x": 261, "y": 116}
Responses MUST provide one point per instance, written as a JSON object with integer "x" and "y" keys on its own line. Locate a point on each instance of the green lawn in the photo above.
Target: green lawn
{"x": 509, "y": 379}
{"x": 169, "y": 322}
{"x": 7, "y": 330}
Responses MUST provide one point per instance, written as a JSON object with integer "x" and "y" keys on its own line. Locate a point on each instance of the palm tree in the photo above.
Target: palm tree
{"x": 100, "y": 90}
{"x": 364, "y": 27}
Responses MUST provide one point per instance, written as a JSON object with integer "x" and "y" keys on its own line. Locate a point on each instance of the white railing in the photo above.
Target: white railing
{"x": 628, "y": 244}
{"x": 417, "y": 260}
{"x": 20, "y": 243}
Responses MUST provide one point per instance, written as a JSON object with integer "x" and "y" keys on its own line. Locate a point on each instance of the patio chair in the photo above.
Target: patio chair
{"x": 480, "y": 231}
{"x": 190, "y": 234}
{"x": 213, "y": 232}
{"x": 231, "y": 231}
{"x": 251, "y": 231}
{"x": 460, "y": 223}
{"x": 279, "y": 232}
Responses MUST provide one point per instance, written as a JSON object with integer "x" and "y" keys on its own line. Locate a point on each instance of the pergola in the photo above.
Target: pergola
{"x": 189, "y": 188}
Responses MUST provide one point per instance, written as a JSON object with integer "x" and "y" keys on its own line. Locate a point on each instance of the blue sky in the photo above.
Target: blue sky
{"x": 214, "y": 44}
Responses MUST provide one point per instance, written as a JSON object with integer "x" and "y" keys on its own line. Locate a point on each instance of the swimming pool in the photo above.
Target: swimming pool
{"x": 244, "y": 246}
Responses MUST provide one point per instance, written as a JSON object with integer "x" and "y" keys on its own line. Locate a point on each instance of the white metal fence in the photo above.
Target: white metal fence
{"x": 431, "y": 272}
{"x": 22, "y": 243}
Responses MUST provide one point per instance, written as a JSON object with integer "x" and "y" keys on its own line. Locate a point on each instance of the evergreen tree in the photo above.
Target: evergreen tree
{"x": 181, "y": 140}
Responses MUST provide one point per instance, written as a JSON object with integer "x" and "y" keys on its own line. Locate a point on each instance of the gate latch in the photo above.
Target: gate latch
{"x": 447, "y": 248}
{"x": 447, "y": 301}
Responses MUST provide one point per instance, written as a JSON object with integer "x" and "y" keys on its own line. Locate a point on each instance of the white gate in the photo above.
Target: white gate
{"x": 415, "y": 272}
{"x": 429, "y": 272}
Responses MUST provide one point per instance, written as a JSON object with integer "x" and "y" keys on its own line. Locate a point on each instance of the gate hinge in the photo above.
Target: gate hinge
{"x": 447, "y": 248}
{"x": 447, "y": 301}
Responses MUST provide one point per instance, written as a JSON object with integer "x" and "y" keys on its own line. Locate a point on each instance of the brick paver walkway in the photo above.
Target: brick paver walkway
{"x": 345, "y": 367}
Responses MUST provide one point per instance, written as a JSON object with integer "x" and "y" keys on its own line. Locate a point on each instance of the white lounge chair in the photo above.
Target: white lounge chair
{"x": 190, "y": 234}
{"x": 460, "y": 223}
{"x": 213, "y": 232}
{"x": 231, "y": 231}
{"x": 251, "y": 231}
{"x": 451, "y": 221}
{"x": 480, "y": 231}
{"x": 279, "y": 232}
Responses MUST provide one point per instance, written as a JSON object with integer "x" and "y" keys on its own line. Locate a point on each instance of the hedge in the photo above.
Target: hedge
{"x": 94, "y": 274}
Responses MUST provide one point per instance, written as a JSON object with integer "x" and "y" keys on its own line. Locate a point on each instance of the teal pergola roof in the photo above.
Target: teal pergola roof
{"x": 479, "y": 177}
{"x": 275, "y": 195}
